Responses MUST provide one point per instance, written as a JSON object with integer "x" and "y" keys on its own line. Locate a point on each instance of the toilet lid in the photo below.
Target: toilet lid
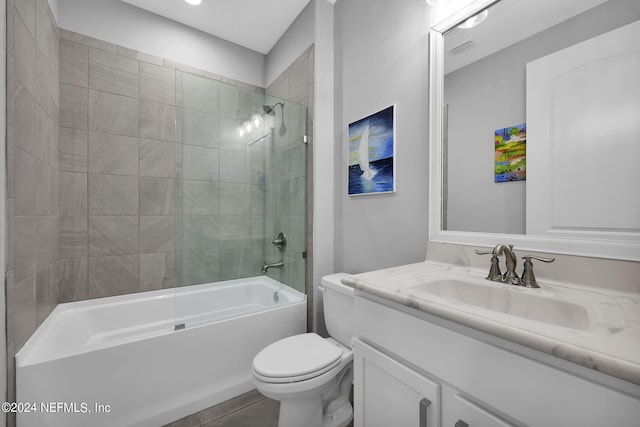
{"x": 296, "y": 356}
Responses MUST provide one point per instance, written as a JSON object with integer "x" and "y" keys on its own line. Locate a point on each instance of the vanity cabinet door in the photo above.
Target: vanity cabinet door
{"x": 388, "y": 393}
{"x": 468, "y": 414}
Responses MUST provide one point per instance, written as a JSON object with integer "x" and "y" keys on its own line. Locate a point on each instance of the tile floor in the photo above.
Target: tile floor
{"x": 247, "y": 410}
{"x": 261, "y": 414}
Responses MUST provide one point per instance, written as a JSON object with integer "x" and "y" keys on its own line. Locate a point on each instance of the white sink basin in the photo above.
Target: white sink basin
{"x": 464, "y": 290}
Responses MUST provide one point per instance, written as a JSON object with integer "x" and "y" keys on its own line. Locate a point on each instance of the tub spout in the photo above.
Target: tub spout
{"x": 266, "y": 267}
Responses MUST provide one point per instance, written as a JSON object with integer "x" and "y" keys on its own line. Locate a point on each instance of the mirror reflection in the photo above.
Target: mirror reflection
{"x": 486, "y": 122}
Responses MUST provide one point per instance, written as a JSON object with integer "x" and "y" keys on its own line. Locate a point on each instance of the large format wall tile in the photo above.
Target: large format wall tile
{"x": 233, "y": 166}
{"x": 200, "y": 232}
{"x": 26, "y": 177}
{"x": 72, "y": 150}
{"x": 111, "y": 113}
{"x": 235, "y": 259}
{"x": 237, "y": 102}
{"x": 46, "y": 86}
{"x": 110, "y": 72}
{"x": 113, "y": 275}
{"x": 73, "y": 236}
{"x": 113, "y": 195}
{"x": 73, "y": 106}
{"x": 198, "y": 266}
{"x": 229, "y": 139}
{"x": 73, "y": 280}
{"x": 201, "y": 163}
{"x": 21, "y": 117}
{"x": 157, "y": 271}
{"x": 157, "y": 83}
{"x": 157, "y": 121}
{"x": 158, "y": 159}
{"x": 113, "y": 154}
{"x": 113, "y": 235}
{"x": 73, "y": 193}
{"x": 47, "y": 236}
{"x": 46, "y": 34}
{"x": 234, "y": 199}
{"x": 200, "y": 93}
{"x": 47, "y": 197}
{"x": 200, "y": 197}
{"x": 27, "y": 11}
{"x": 157, "y": 196}
{"x": 157, "y": 234}
{"x": 46, "y": 147}
{"x": 23, "y": 298}
{"x": 74, "y": 63}
{"x": 25, "y": 55}
{"x": 200, "y": 128}
{"x": 25, "y": 247}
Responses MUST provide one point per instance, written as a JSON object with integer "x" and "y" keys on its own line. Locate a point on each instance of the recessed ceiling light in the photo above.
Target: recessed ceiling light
{"x": 437, "y": 2}
{"x": 194, "y": 2}
{"x": 475, "y": 20}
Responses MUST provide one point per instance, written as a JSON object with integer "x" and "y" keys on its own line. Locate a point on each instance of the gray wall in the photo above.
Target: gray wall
{"x": 382, "y": 59}
{"x": 32, "y": 214}
{"x": 490, "y": 94}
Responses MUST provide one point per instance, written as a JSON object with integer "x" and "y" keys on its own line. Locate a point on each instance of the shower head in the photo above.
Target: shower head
{"x": 270, "y": 109}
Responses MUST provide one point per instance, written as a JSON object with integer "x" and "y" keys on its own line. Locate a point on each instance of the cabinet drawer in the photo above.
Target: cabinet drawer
{"x": 469, "y": 414}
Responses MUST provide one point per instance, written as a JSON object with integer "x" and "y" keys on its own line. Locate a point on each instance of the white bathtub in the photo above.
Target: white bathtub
{"x": 123, "y": 352}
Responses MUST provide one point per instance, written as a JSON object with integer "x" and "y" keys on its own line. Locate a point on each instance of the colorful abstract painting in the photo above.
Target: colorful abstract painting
{"x": 372, "y": 154}
{"x": 511, "y": 154}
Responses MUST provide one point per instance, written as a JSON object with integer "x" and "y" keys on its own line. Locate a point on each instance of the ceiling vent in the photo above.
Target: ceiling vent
{"x": 462, "y": 48}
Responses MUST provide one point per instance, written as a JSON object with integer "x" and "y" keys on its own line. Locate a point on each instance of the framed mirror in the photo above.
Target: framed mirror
{"x": 547, "y": 92}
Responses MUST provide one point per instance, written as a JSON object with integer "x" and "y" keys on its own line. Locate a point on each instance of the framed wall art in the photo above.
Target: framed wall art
{"x": 372, "y": 168}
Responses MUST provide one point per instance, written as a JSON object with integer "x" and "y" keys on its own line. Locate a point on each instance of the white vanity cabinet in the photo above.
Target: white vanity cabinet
{"x": 391, "y": 394}
{"x": 415, "y": 369}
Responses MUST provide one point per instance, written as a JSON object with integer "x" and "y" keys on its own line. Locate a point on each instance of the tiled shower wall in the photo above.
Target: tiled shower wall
{"x": 32, "y": 213}
{"x": 123, "y": 138}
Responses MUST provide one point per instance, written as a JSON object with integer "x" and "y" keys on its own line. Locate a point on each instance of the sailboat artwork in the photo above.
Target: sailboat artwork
{"x": 372, "y": 154}
{"x": 363, "y": 155}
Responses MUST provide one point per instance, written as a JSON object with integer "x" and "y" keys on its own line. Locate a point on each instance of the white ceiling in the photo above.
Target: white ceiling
{"x": 509, "y": 22}
{"x": 255, "y": 24}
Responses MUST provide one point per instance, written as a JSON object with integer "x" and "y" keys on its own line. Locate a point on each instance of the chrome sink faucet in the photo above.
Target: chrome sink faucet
{"x": 528, "y": 279}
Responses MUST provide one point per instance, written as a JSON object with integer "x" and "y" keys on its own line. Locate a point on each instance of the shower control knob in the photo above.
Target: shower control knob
{"x": 280, "y": 241}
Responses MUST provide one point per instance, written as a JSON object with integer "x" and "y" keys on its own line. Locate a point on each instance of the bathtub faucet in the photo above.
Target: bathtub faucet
{"x": 266, "y": 267}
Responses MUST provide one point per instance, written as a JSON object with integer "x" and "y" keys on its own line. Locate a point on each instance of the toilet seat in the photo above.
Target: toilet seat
{"x": 296, "y": 358}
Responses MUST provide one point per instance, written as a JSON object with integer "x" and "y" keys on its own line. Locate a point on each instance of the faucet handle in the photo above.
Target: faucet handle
{"x": 280, "y": 241}
{"x": 528, "y": 278}
{"x": 494, "y": 272}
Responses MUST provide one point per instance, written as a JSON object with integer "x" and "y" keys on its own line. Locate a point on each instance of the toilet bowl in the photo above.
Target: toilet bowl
{"x": 311, "y": 376}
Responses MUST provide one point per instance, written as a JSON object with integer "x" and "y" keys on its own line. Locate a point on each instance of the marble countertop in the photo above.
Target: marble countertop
{"x": 604, "y": 334}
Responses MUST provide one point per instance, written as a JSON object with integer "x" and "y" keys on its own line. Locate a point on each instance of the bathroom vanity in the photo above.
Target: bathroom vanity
{"x": 438, "y": 345}
{"x": 426, "y": 357}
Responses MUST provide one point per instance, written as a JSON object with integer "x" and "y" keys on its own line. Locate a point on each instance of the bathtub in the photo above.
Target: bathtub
{"x": 121, "y": 361}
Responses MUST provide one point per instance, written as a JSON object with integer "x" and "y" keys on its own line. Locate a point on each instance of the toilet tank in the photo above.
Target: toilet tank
{"x": 338, "y": 301}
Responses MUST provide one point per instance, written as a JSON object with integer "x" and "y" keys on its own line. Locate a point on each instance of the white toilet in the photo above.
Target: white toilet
{"x": 311, "y": 376}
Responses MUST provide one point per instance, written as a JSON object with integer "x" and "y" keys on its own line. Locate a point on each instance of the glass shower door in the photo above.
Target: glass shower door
{"x": 241, "y": 178}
